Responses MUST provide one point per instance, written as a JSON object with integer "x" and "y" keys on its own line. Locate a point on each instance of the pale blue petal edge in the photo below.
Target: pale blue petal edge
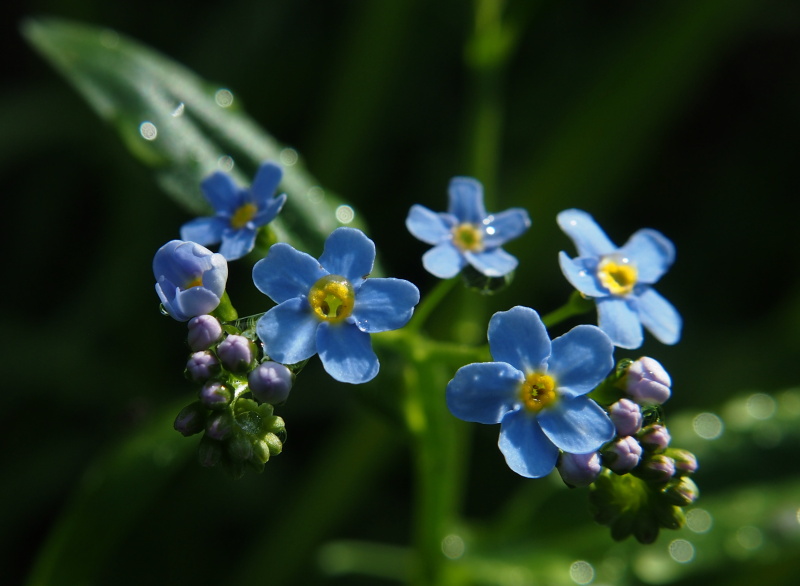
{"x": 204, "y": 230}
{"x": 237, "y": 243}
{"x": 581, "y": 273}
{"x": 659, "y": 316}
{"x": 651, "y": 252}
{"x": 444, "y": 260}
{"x": 580, "y": 360}
{"x": 286, "y": 273}
{"x": 577, "y": 426}
{"x": 492, "y": 263}
{"x": 427, "y": 225}
{"x": 348, "y": 253}
{"x": 586, "y": 234}
{"x": 288, "y": 331}
{"x": 465, "y": 196}
{"x": 483, "y": 392}
{"x": 526, "y": 448}
{"x": 384, "y": 304}
{"x": 519, "y": 337}
{"x": 346, "y": 353}
{"x": 618, "y": 317}
{"x": 504, "y": 226}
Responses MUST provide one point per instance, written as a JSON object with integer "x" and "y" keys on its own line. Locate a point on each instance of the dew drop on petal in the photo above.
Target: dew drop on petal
{"x": 148, "y": 130}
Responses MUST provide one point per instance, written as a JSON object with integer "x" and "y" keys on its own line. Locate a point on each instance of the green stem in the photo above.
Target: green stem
{"x": 576, "y": 305}
{"x": 429, "y": 303}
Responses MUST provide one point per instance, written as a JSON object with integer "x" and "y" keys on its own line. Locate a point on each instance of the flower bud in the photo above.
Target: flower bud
{"x": 682, "y": 492}
{"x": 219, "y": 426}
{"x": 579, "y": 469}
{"x": 215, "y": 395}
{"x": 240, "y": 447}
{"x": 623, "y": 455}
{"x": 270, "y": 382}
{"x": 626, "y": 416}
{"x": 202, "y": 366}
{"x": 654, "y": 437}
{"x": 209, "y": 452}
{"x": 204, "y": 330}
{"x": 190, "y": 420}
{"x": 647, "y": 382}
{"x": 685, "y": 461}
{"x": 237, "y": 353}
{"x": 657, "y": 469}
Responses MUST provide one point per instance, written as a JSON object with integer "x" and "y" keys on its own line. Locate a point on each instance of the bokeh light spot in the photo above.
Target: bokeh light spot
{"x": 148, "y": 130}
{"x": 581, "y": 572}
{"x": 707, "y": 426}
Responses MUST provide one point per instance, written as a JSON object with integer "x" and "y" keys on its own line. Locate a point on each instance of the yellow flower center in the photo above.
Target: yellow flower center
{"x": 243, "y": 215}
{"x": 538, "y": 391}
{"x": 332, "y": 298}
{"x": 468, "y": 237}
{"x": 197, "y": 282}
{"x": 617, "y": 274}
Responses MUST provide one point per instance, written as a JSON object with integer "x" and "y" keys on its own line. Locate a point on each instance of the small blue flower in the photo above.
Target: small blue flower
{"x": 535, "y": 390}
{"x": 190, "y": 279}
{"x": 466, "y": 234}
{"x": 239, "y": 212}
{"x": 329, "y": 307}
{"x": 620, "y": 279}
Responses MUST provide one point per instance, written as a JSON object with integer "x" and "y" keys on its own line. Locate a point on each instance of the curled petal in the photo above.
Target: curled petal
{"x": 577, "y": 426}
{"x": 580, "y": 360}
{"x": 427, "y": 225}
{"x": 492, "y": 263}
{"x": 652, "y": 253}
{"x": 349, "y": 253}
{"x": 518, "y": 337}
{"x": 444, "y": 260}
{"x": 346, "y": 353}
{"x": 466, "y": 200}
{"x": 589, "y": 238}
{"x": 505, "y": 226}
{"x": 204, "y": 230}
{"x": 384, "y": 304}
{"x": 237, "y": 243}
{"x": 288, "y": 331}
{"x": 286, "y": 273}
{"x": 483, "y": 392}
{"x": 527, "y": 449}
{"x": 582, "y": 274}
{"x": 617, "y": 317}
{"x": 659, "y": 316}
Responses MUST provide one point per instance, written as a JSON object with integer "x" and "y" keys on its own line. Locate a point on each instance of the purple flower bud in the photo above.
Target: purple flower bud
{"x": 655, "y": 437}
{"x": 627, "y": 417}
{"x": 657, "y": 468}
{"x": 237, "y": 353}
{"x": 218, "y": 426}
{"x": 191, "y": 420}
{"x": 685, "y": 461}
{"x": 270, "y": 382}
{"x": 579, "y": 469}
{"x": 215, "y": 394}
{"x": 682, "y": 492}
{"x": 204, "y": 330}
{"x": 647, "y": 382}
{"x": 202, "y": 366}
{"x": 623, "y": 455}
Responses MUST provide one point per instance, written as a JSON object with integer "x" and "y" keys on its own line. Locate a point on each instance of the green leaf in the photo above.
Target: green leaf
{"x": 180, "y": 125}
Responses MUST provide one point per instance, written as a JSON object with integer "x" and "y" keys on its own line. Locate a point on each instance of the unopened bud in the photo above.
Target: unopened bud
{"x": 270, "y": 382}
{"x": 202, "y": 366}
{"x": 657, "y": 469}
{"x": 219, "y": 426}
{"x": 191, "y": 420}
{"x": 626, "y": 416}
{"x": 655, "y": 437}
{"x": 204, "y": 330}
{"x": 681, "y": 492}
{"x": 215, "y": 395}
{"x": 579, "y": 469}
{"x": 685, "y": 461}
{"x": 623, "y": 455}
{"x": 647, "y": 382}
{"x": 237, "y": 353}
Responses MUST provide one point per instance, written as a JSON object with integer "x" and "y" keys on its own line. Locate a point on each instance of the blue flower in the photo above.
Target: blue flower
{"x": 620, "y": 279}
{"x": 239, "y": 212}
{"x": 329, "y": 307}
{"x": 190, "y": 279}
{"x": 535, "y": 390}
{"x": 466, "y": 234}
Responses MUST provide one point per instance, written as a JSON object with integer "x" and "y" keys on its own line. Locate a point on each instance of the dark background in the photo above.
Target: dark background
{"x": 680, "y": 116}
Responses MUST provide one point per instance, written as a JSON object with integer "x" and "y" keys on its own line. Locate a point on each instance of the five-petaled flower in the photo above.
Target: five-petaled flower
{"x": 466, "y": 234}
{"x": 619, "y": 280}
{"x": 239, "y": 212}
{"x": 190, "y": 279}
{"x": 536, "y": 390}
{"x": 329, "y": 307}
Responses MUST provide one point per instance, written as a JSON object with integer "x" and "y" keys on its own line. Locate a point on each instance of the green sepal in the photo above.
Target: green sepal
{"x": 225, "y": 312}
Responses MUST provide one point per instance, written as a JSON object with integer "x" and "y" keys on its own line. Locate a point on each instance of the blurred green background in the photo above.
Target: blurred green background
{"x": 680, "y": 115}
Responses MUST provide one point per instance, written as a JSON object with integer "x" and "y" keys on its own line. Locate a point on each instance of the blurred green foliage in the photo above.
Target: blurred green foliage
{"x": 680, "y": 115}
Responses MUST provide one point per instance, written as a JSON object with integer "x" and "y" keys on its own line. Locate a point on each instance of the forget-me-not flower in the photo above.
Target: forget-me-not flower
{"x": 190, "y": 279}
{"x": 329, "y": 307}
{"x": 239, "y": 212}
{"x": 466, "y": 234}
{"x": 620, "y": 280}
{"x": 536, "y": 390}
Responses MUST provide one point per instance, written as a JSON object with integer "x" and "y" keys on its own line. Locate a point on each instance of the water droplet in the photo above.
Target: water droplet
{"x": 581, "y": 572}
{"x": 491, "y": 230}
{"x": 223, "y": 98}
{"x": 162, "y": 309}
{"x": 681, "y": 551}
{"x": 225, "y": 163}
{"x": 345, "y": 214}
{"x": 148, "y": 130}
{"x": 178, "y": 111}
{"x": 288, "y": 157}
{"x": 707, "y": 426}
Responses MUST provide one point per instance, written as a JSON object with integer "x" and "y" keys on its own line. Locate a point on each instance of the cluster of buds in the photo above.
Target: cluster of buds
{"x": 238, "y": 387}
{"x": 639, "y": 484}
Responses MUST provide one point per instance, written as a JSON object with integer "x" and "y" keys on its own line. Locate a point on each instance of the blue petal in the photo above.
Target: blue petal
{"x": 427, "y": 225}
{"x": 167, "y": 292}
{"x": 620, "y": 321}
{"x": 577, "y": 426}
{"x": 216, "y": 276}
{"x": 466, "y": 200}
{"x": 286, "y": 273}
{"x": 350, "y": 254}
{"x": 580, "y": 360}
{"x": 384, "y": 304}
{"x": 492, "y": 263}
{"x": 659, "y": 316}
{"x": 204, "y": 230}
{"x": 265, "y": 183}
{"x": 196, "y": 301}
{"x": 163, "y": 259}
{"x": 269, "y": 211}
{"x": 288, "y": 331}
{"x": 483, "y": 392}
{"x": 346, "y": 353}
{"x": 187, "y": 262}
{"x": 652, "y": 253}
{"x": 518, "y": 337}
{"x": 581, "y": 272}
{"x": 444, "y": 260}
{"x": 527, "y": 449}
{"x": 237, "y": 243}
{"x": 589, "y": 238}
{"x": 222, "y": 192}
{"x": 505, "y": 226}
